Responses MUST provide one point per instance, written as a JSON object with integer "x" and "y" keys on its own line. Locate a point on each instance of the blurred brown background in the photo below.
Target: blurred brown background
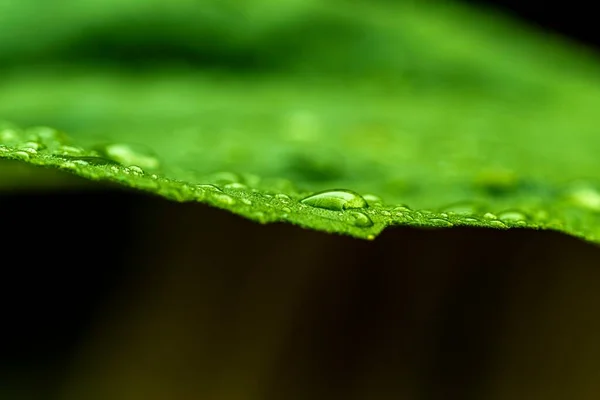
{"x": 109, "y": 294}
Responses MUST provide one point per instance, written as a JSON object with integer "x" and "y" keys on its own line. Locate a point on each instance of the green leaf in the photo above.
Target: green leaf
{"x": 394, "y": 115}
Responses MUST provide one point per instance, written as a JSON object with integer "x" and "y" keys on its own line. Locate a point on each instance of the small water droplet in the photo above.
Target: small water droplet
{"x": 512, "y": 216}
{"x": 21, "y": 155}
{"x": 490, "y": 216}
{"x": 336, "y": 200}
{"x": 284, "y": 198}
{"x": 224, "y": 199}
{"x": 235, "y": 186}
{"x": 286, "y": 210}
{"x": 136, "y": 170}
{"x": 246, "y": 202}
{"x": 401, "y": 209}
{"x": 30, "y": 150}
{"x": 30, "y": 145}
{"x": 70, "y": 150}
{"x": 130, "y": 154}
{"x": 154, "y": 176}
{"x": 360, "y": 219}
{"x": 3, "y": 149}
{"x": 81, "y": 162}
{"x": 497, "y": 224}
{"x": 386, "y": 213}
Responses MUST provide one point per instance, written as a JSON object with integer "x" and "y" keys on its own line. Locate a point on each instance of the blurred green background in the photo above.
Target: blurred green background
{"x": 115, "y": 295}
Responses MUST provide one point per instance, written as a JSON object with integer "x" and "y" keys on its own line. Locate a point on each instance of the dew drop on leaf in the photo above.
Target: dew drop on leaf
{"x": 512, "y": 216}
{"x": 361, "y": 220}
{"x": 372, "y": 199}
{"x": 441, "y": 222}
{"x": 336, "y": 200}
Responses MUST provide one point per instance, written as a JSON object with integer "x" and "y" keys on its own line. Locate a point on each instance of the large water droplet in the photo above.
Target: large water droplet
{"x": 131, "y": 154}
{"x": 360, "y": 219}
{"x": 224, "y": 199}
{"x": 336, "y": 200}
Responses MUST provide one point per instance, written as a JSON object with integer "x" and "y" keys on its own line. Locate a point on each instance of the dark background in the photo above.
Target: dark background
{"x": 128, "y": 296}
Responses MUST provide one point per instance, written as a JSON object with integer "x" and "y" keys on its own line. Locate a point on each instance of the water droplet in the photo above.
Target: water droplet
{"x": 490, "y": 216}
{"x": 30, "y": 150}
{"x": 81, "y": 162}
{"x": 461, "y": 208}
{"x": 386, "y": 213}
{"x": 21, "y": 155}
{"x": 136, "y": 170}
{"x": 70, "y": 150}
{"x": 372, "y": 199}
{"x": 441, "y": 222}
{"x": 30, "y": 145}
{"x": 512, "y": 216}
{"x": 224, "y": 199}
{"x": 585, "y": 197}
{"x": 284, "y": 198}
{"x": 154, "y": 176}
{"x": 130, "y": 154}
{"x": 401, "y": 209}
{"x": 360, "y": 219}
{"x": 235, "y": 186}
{"x": 286, "y": 210}
{"x": 336, "y": 200}
{"x": 497, "y": 224}
{"x": 3, "y": 149}
{"x": 246, "y": 202}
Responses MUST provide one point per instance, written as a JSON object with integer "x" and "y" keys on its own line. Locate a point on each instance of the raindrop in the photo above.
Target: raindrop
{"x": 225, "y": 177}
{"x": 246, "y": 202}
{"x": 336, "y": 200}
{"x": 360, "y": 219}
